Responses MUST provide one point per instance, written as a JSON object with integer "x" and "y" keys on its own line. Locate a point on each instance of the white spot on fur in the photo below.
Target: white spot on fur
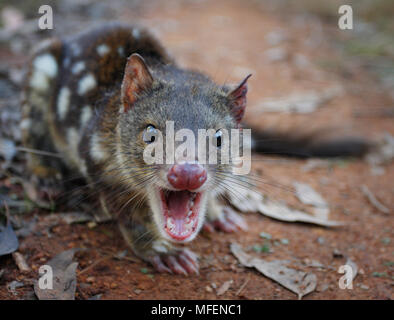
{"x": 25, "y": 124}
{"x": 136, "y": 33}
{"x": 63, "y": 101}
{"x": 86, "y": 115}
{"x": 87, "y": 83}
{"x": 39, "y": 81}
{"x": 46, "y": 64}
{"x": 44, "y": 67}
{"x": 78, "y": 67}
{"x": 102, "y": 49}
{"x": 96, "y": 150}
{"x": 73, "y": 141}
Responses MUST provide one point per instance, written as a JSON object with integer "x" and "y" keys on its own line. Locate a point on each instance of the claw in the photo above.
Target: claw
{"x": 174, "y": 265}
{"x": 187, "y": 265}
{"x": 224, "y": 225}
{"x": 159, "y": 265}
{"x": 235, "y": 219}
{"x": 181, "y": 262}
{"x": 230, "y": 221}
{"x": 191, "y": 256}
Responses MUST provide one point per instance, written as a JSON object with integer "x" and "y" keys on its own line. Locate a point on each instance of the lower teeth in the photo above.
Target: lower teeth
{"x": 188, "y": 226}
{"x": 171, "y": 223}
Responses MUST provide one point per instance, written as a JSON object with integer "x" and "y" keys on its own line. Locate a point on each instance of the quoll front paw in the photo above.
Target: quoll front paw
{"x": 227, "y": 221}
{"x": 179, "y": 261}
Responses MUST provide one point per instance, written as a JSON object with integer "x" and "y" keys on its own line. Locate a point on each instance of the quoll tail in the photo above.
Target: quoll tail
{"x": 308, "y": 146}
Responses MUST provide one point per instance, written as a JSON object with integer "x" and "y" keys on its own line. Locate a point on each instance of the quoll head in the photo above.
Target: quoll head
{"x": 177, "y": 190}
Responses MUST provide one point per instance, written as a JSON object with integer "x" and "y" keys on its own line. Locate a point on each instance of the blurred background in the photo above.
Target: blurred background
{"x": 299, "y": 58}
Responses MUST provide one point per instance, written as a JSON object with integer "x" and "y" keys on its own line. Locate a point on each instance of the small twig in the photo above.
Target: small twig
{"x": 372, "y": 199}
{"x": 20, "y": 262}
{"x": 243, "y": 286}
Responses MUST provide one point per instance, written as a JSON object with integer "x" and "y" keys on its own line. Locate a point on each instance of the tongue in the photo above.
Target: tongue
{"x": 178, "y": 204}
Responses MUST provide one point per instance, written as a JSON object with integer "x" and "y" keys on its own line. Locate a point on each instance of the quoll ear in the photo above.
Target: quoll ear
{"x": 136, "y": 79}
{"x": 238, "y": 99}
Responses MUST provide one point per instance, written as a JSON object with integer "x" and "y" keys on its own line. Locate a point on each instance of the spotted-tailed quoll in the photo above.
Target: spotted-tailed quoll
{"x": 98, "y": 99}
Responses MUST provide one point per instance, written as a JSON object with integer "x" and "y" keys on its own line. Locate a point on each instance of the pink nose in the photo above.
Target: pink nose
{"x": 187, "y": 176}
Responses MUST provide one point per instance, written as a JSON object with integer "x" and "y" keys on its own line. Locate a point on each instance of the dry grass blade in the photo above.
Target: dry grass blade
{"x": 372, "y": 199}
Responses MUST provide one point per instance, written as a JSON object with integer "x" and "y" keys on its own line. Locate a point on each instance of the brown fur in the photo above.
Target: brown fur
{"x": 107, "y": 149}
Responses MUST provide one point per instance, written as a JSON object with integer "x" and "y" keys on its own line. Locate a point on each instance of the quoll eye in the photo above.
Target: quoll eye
{"x": 218, "y": 137}
{"x": 149, "y": 134}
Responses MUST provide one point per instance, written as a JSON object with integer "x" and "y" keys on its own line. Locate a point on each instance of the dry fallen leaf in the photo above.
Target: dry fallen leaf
{"x": 281, "y": 212}
{"x": 64, "y": 278}
{"x": 299, "y": 282}
{"x": 243, "y": 199}
{"x": 249, "y": 200}
{"x": 307, "y": 195}
{"x": 8, "y": 239}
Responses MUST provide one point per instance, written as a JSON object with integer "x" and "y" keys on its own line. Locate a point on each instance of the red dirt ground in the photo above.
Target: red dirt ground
{"x": 226, "y": 39}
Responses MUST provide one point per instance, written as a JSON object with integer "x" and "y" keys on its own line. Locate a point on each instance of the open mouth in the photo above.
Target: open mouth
{"x": 180, "y": 210}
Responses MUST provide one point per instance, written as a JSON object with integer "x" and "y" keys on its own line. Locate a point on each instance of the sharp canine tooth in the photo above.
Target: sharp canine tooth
{"x": 189, "y": 213}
